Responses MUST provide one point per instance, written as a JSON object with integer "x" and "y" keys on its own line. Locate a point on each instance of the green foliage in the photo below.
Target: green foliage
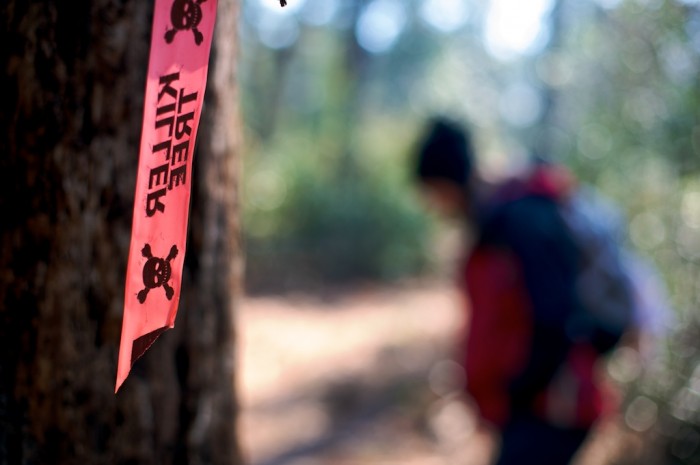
{"x": 631, "y": 129}
{"x": 308, "y": 223}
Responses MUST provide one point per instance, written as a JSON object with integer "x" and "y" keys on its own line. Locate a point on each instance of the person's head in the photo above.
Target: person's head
{"x": 444, "y": 165}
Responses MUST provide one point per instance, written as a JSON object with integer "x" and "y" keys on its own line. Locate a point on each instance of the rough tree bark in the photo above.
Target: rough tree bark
{"x": 72, "y": 93}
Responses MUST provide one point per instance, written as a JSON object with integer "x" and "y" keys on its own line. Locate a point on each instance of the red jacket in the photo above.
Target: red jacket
{"x": 505, "y": 322}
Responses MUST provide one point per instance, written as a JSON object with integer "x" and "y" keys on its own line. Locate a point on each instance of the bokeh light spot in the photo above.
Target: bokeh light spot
{"x": 520, "y": 105}
{"x": 641, "y": 414}
{"x": 266, "y": 190}
{"x": 278, "y": 31}
{"x": 319, "y": 12}
{"x": 515, "y": 27}
{"x": 647, "y": 230}
{"x": 690, "y": 209}
{"x": 447, "y": 377}
{"x": 380, "y": 25}
{"x": 445, "y": 15}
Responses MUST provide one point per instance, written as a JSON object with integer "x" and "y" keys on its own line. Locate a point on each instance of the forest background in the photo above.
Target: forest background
{"x": 335, "y": 95}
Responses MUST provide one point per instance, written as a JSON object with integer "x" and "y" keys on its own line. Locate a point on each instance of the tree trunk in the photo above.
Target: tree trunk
{"x": 73, "y": 82}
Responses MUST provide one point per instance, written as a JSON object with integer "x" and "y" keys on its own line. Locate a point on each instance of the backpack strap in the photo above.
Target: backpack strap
{"x": 530, "y": 232}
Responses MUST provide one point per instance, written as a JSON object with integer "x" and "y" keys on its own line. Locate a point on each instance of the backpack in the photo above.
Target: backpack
{"x": 546, "y": 276}
{"x": 604, "y": 285}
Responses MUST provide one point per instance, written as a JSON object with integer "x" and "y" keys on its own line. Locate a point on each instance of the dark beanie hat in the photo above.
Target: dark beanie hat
{"x": 445, "y": 153}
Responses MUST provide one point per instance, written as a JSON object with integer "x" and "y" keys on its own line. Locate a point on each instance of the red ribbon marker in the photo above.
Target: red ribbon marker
{"x": 177, "y": 76}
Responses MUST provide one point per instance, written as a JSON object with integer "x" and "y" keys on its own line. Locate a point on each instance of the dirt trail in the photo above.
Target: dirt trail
{"x": 364, "y": 379}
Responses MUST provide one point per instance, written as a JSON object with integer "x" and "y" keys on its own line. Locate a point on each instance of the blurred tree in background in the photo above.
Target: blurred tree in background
{"x": 335, "y": 94}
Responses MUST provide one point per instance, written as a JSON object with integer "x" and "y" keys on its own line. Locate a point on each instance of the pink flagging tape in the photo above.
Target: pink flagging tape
{"x": 177, "y": 75}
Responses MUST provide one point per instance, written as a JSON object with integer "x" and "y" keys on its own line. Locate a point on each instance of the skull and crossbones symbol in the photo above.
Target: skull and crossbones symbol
{"x": 156, "y": 272}
{"x": 185, "y": 14}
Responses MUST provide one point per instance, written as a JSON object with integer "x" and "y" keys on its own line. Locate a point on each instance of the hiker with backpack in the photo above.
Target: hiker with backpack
{"x": 548, "y": 292}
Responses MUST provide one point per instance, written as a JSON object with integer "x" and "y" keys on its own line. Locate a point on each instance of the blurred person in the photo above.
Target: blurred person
{"x": 548, "y": 297}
